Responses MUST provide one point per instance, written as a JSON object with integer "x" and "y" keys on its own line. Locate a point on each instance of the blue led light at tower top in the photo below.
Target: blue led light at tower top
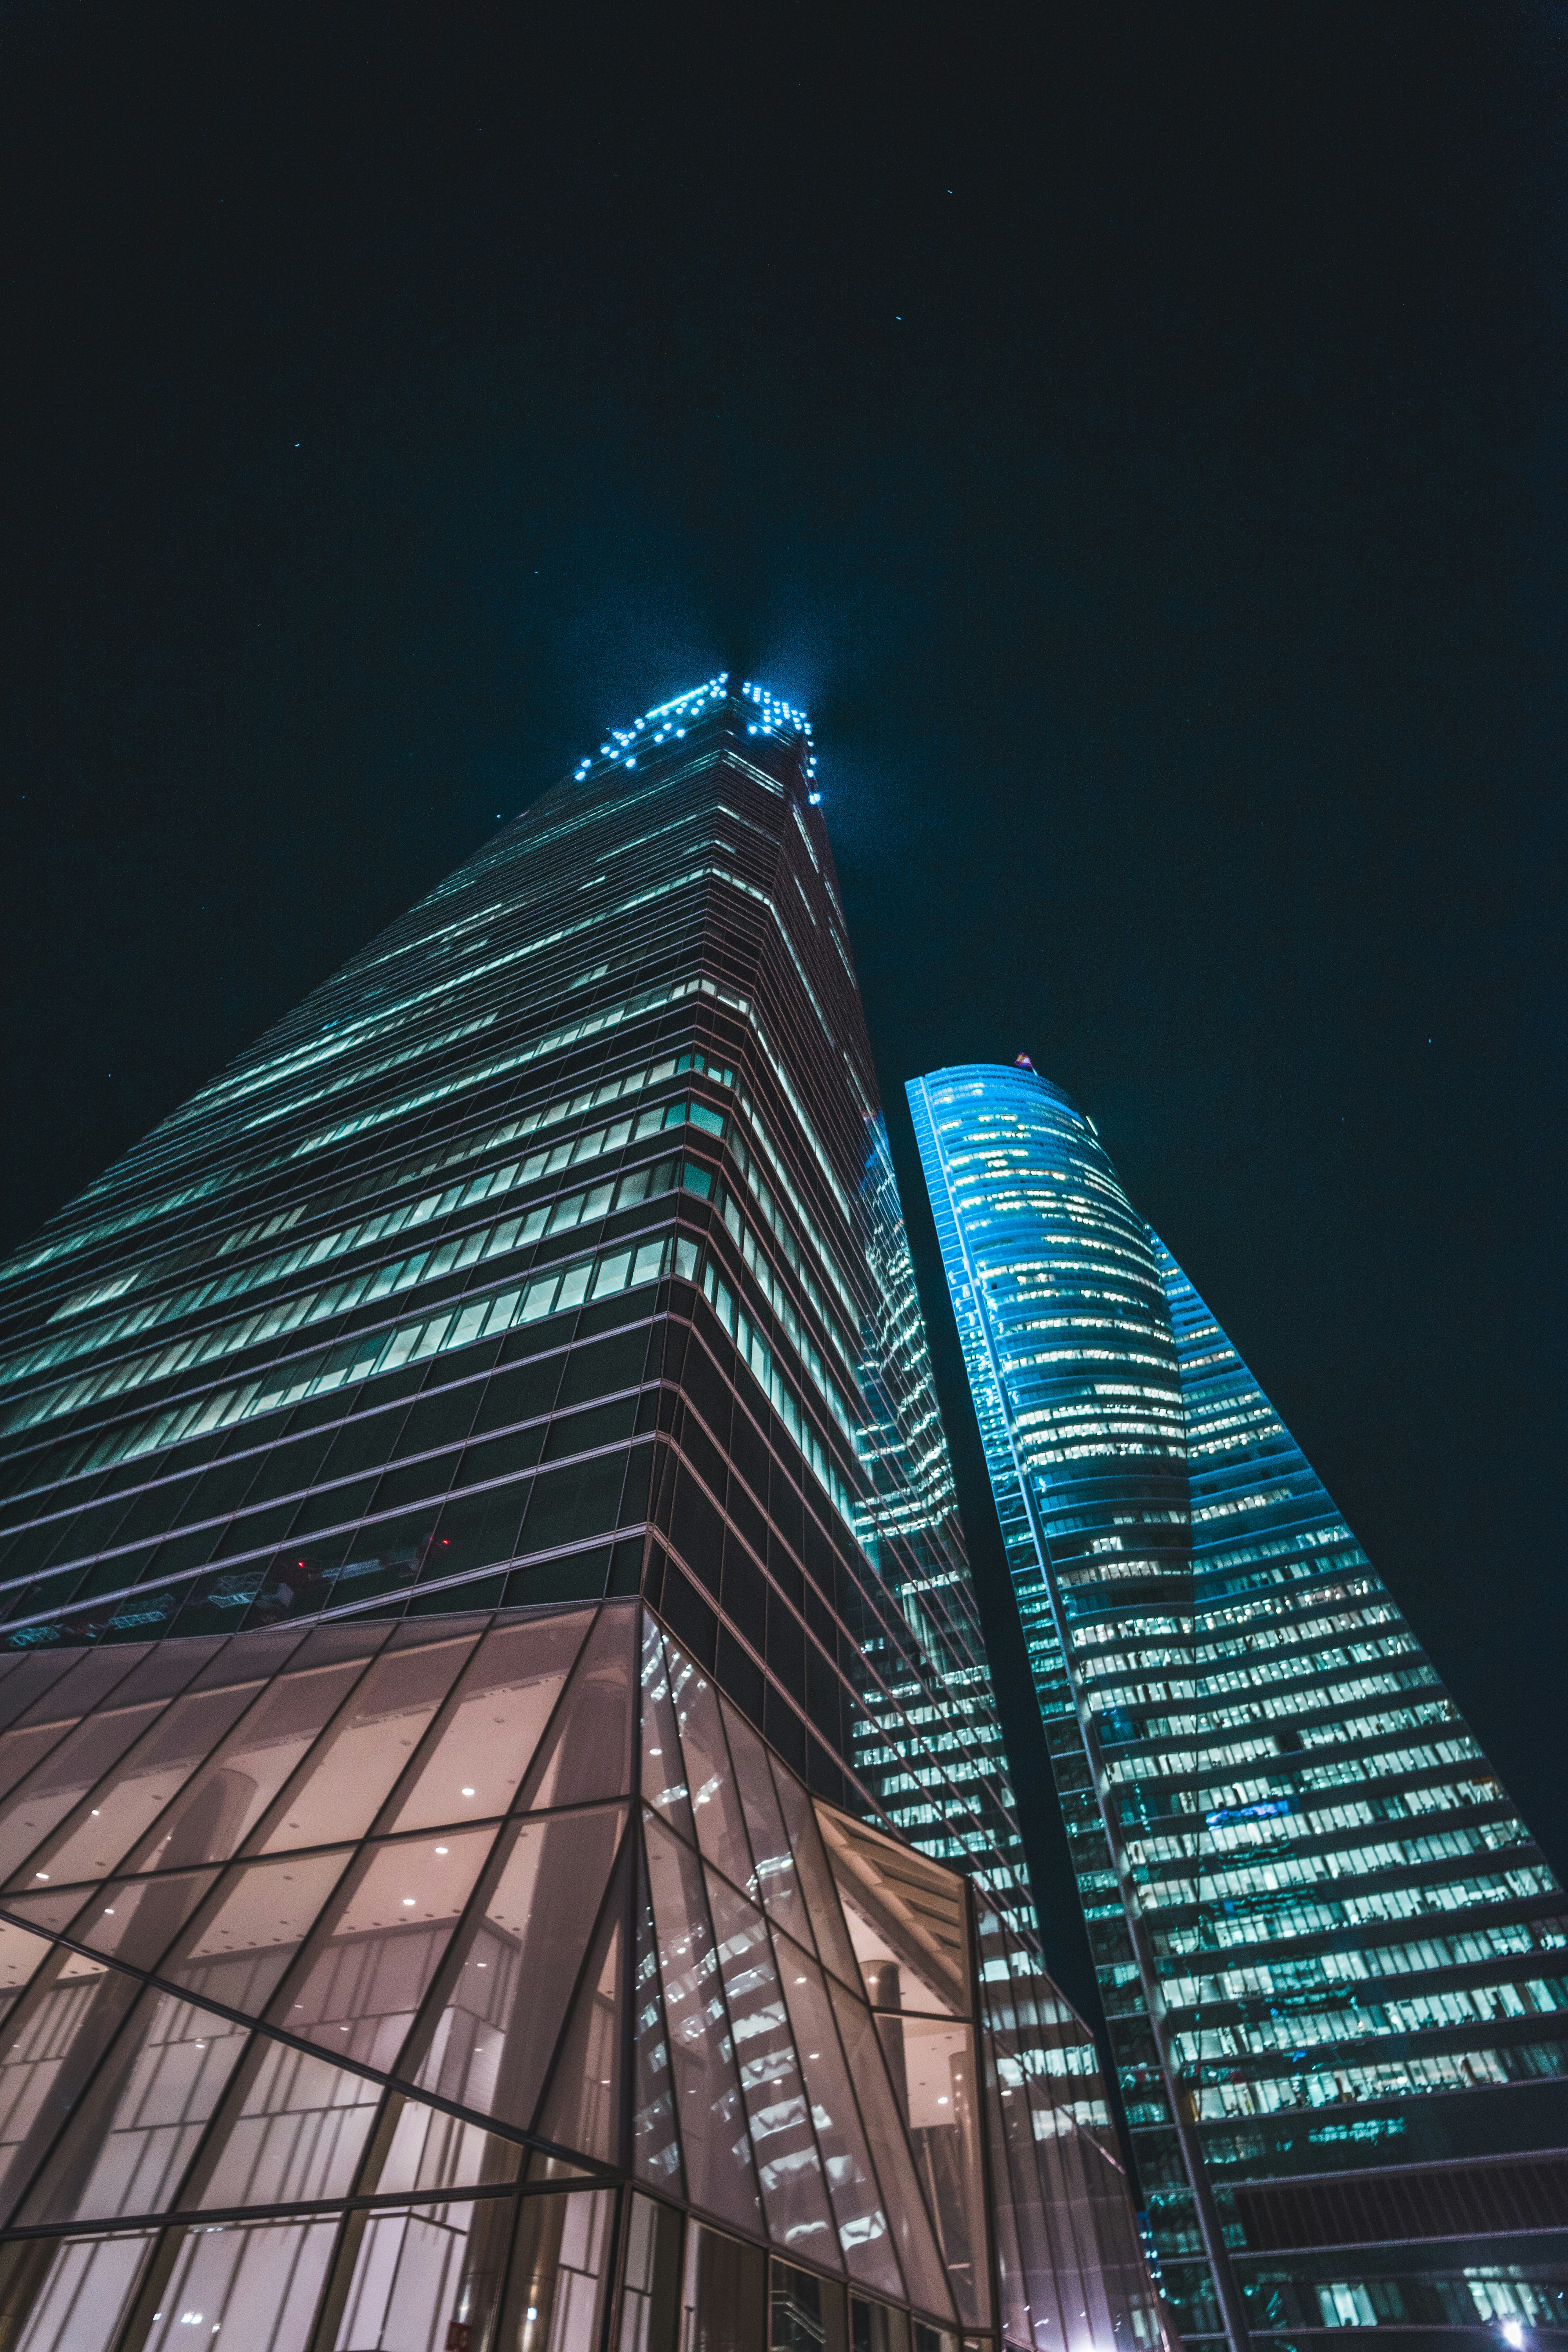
{"x": 1334, "y": 1965}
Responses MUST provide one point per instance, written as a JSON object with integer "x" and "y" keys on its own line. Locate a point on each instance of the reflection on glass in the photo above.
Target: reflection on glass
{"x": 806, "y": 2313}
{"x": 84, "y": 2293}
{"x": 942, "y": 2107}
{"x": 400, "y": 1904}
{"x": 300, "y": 2132}
{"x": 857, "y": 2207}
{"x": 708, "y": 2106}
{"x": 650, "y": 2277}
{"x": 815, "y": 1880}
{"x": 715, "y": 1802}
{"x": 776, "y": 1881}
{"x": 431, "y": 2149}
{"x": 256, "y": 2289}
{"x": 656, "y": 2152}
{"x": 55, "y": 2036}
{"x": 137, "y": 2126}
{"x": 788, "y": 2165}
{"x": 721, "y": 2292}
{"x": 588, "y": 1752}
{"x": 582, "y": 2108}
{"x": 64, "y": 1776}
{"x": 560, "y": 2272}
{"x": 491, "y": 2046}
{"x": 240, "y": 1947}
{"x": 503, "y": 1704}
{"x": 905, "y": 2207}
{"x": 153, "y": 1772}
{"x": 351, "y": 1772}
{"x": 663, "y": 1766}
{"x": 130, "y": 1919}
{"x": 405, "y": 2280}
{"x": 220, "y": 1807}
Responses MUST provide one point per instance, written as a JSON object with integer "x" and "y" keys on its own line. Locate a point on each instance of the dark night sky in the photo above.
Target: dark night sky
{"x": 1136, "y": 432}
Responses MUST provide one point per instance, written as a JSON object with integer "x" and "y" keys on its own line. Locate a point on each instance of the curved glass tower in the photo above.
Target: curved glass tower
{"x": 1334, "y": 1965}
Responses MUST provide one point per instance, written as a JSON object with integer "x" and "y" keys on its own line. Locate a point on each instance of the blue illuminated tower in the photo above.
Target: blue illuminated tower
{"x": 1333, "y": 1962}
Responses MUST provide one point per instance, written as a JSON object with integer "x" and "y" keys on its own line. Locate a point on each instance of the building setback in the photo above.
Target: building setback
{"x": 505, "y": 1835}
{"x": 1334, "y": 1964}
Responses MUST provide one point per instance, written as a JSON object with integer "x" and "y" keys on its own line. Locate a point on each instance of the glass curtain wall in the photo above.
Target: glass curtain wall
{"x": 1324, "y": 1939}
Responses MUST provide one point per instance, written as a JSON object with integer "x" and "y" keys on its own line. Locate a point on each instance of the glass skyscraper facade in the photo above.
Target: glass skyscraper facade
{"x": 1333, "y": 1963}
{"x": 505, "y": 1832}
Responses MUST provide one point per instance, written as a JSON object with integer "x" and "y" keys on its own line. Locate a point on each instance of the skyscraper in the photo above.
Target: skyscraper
{"x": 1334, "y": 1964}
{"x": 505, "y": 1832}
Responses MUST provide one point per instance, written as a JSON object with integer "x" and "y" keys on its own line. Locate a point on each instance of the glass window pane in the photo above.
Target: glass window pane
{"x": 136, "y": 2129}
{"x": 257, "y": 2290}
{"x": 858, "y": 2207}
{"x": 60, "y": 2028}
{"x": 663, "y": 1771}
{"x": 777, "y": 1881}
{"x": 816, "y": 1879}
{"x": 406, "y": 2279}
{"x": 21, "y": 1954}
{"x": 217, "y": 1811}
{"x": 941, "y": 2100}
{"x": 560, "y": 2271}
{"x": 918, "y": 2254}
{"x": 650, "y": 2280}
{"x": 347, "y": 1779}
{"x": 132, "y": 1919}
{"x": 656, "y": 2152}
{"x": 482, "y": 1751}
{"x": 400, "y": 1904}
{"x": 582, "y": 2107}
{"x": 589, "y": 1755}
{"x": 708, "y": 2105}
{"x": 721, "y": 2292}
{"x": 150, "y": 1777}
{"x": 431, "y": 2149}
{"x": 491, "y": 2047}
{"x": 715, "y": 1802}
{"x": 301, "y": 2132}
{"x": 264, "y": 1910}
{"x": 788, "y": 2165}
{"x": 63, "y": 1779}
{"x": 83, "y": 2298}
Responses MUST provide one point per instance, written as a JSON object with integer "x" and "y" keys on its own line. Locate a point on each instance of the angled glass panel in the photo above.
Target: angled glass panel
{"x": 707, "y": 2104}
{"x": 492, "y": 2044}
{"x": 789, "y": 2169}
{"x": 560, "y": 2271}
{"x": 218, "y": 1811}
{"x": 816, "y": 1878}
{"x": 715, "y": 1800}
{"x": 857, "y": 2207}
{"x": 583, "y": 2105}
{"x": 130, "y": 1919}
{"x": 350, "y": 1774}
{"x": 299, "y": 2132}
{"x": 431, "y": 2149}
{"x": 941, "y": 2097}
{"x": 776, "y": 1881}
{"x": 663, "y": 1766}
{"x": 22, "y": 1954}
{"x": 656, "y": 2149}
{"x": 398, "y": 1908}
{"x": 906, "y": 1919}
{"x": 650, "y": 2277}
{"x": 147, "y": 1780}
{"x": 242, "y": 1943}
{"x": 588, "y": 1754}
{"x": 63, "y": 1778}
{"x": 55, "y": 2036}
{"x": 477, "y": 1759}
{"x": 406, "y": 2279}
{"x": 84, "y": 2295}
{"x": 917, "y": 2255}
{"x": 134, "y": 2130}
{"x": 255, "y": 2288}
